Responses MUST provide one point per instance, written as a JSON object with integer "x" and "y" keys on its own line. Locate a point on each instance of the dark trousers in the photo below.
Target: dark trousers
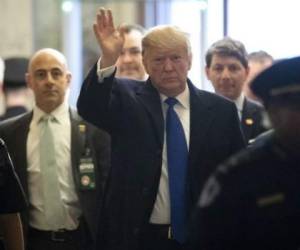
{"x": 158, "y": 237}
{"x": 48, "y": 240}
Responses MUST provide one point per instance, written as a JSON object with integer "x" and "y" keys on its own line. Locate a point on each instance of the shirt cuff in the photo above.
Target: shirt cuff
{"x": 105, "y": 72}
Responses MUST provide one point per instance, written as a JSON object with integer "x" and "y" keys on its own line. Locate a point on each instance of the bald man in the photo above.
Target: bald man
{"x": 76, "y": 167}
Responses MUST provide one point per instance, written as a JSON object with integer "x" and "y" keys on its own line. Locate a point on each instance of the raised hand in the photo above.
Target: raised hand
{"x": 110, "y": 39}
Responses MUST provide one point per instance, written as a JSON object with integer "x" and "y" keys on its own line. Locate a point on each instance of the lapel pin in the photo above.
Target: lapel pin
{"x": 249, "y": 121}
{"x": 81, "y": 128}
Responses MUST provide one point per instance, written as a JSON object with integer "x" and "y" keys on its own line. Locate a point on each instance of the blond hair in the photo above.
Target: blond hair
{"x": 166, "y": 37}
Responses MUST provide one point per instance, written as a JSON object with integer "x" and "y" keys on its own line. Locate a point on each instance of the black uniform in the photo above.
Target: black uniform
{"x": 11, "y": 194}
{"x": 251, "y": 202}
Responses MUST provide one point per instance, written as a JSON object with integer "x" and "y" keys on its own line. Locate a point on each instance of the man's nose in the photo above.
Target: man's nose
{"x": 168, "y": 65}
{"x": 127, "y": 57}
{"x": 225, "y": 73}
{"x": 50, "y": 78}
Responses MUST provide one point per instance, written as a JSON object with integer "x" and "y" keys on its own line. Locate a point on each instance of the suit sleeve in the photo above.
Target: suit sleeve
{"x": 94, "y": 99}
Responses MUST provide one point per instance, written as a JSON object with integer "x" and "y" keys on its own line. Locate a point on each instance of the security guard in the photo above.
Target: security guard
{"x": 252, "y": 201}
{"x": 12, "y": 201}
{"x": 18, "y": 97}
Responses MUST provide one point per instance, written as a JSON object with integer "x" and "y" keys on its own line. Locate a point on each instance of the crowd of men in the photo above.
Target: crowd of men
{"x": 149, "y": 161}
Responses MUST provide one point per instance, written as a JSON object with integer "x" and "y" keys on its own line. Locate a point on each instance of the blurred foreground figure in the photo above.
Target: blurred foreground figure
{"x": 252, "y": 201}
{"x": 12, "y": 201}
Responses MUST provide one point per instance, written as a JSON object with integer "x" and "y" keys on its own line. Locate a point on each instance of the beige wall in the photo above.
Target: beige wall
{"x": 15, "y": 28}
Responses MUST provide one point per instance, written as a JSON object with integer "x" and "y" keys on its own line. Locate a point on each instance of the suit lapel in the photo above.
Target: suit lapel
{"x": 150, "y": 98}
{"x": 201, "y": 116}
{"x": 247, "y": 121}
{"x": 77, "y": 145}
{"x": 21, "y": 132}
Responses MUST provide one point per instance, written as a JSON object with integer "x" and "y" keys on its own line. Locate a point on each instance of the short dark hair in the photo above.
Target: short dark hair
{"x": 227, "y": 47}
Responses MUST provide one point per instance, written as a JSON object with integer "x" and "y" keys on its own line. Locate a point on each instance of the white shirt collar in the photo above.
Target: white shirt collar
{"x": 60, "y": 113}
{"x": 183, "y": 98}
{"x": 239, "y": 102}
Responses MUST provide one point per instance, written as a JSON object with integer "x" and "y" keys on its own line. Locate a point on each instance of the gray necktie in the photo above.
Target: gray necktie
{"x": 54, "y": 209}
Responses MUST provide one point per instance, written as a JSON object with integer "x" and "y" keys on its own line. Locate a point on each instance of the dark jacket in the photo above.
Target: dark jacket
{"x": 252, "y": 119}
{"x": 15, "y": 131}
{"x": 131, "y": 112}
{"x": 251, "y": 202}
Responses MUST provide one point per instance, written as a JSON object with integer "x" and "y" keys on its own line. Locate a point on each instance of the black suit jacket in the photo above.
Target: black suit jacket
{"x": 252, "y": 119}
{"x": 132, "y": 113}
{"x": 15, "y": 131}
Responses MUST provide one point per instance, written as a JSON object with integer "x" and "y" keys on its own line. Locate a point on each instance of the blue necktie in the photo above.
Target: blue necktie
{"x": 177, "y": 154}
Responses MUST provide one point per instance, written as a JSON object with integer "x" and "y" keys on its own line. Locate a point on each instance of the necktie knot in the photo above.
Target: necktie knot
{"x": 171, "y": 101}
{"x": 47, "y": 119}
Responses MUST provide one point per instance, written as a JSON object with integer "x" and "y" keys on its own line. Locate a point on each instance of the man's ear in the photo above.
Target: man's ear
{"x": 145, "y": 64}
{"x": 69, "y": 77}
{"x": 247, "y": 71}
{"x": 28, "y": 80}
{"x": 207, "y": 72}
{"x": 190, "y": 61}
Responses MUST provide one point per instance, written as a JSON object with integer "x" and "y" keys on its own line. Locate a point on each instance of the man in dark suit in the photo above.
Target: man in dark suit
{"x": 80, "y": 160}
{"x": 227, "y": 69}
{"x": 140, "y": 210}
{"x": 252, "y": 200}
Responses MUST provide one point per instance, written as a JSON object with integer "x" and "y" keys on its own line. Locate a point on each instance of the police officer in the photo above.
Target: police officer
{"x": 252, "y": 201}
{"x": 18, "y": 97}
{"x": 12, "y": 201}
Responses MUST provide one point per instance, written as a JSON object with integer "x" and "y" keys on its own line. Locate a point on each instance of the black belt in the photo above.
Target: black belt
{"x": 61, "y": 235}
{"x": 158, "y": 231}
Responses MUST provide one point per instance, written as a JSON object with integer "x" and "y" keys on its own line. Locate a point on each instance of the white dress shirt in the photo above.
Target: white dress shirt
{"x": 239, "y": 103}
{"x": 62, "y": 141}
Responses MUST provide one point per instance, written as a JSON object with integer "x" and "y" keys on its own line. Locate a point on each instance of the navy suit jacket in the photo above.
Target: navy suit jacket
{"x": 252, "y": 119}
{"x": 131, "y": 112}
{"x": 15, "y": 131}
